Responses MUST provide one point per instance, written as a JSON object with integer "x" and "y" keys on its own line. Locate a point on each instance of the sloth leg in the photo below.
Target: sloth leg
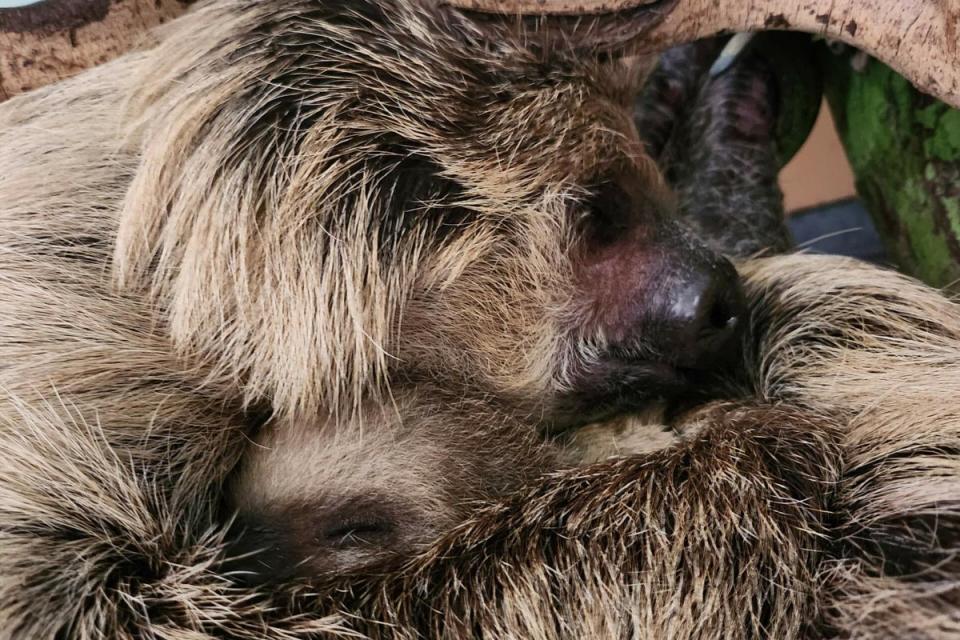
{"x": 714, "y": 139}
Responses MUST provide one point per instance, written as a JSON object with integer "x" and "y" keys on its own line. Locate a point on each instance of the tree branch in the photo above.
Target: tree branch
{"x": 918, "y": 38}
{"x": 48, "y": 41}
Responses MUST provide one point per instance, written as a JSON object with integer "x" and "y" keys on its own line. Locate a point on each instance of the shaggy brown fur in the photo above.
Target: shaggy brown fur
{"x": 335, "y": 497}
{"x": 825, "y": 505}
{"x": 179, "y": 268}
{"x": 255, "y": 210}
{"x": 316, "y": 499}
{"x": 291, "y": 187}
{"x": 315, "y": 179}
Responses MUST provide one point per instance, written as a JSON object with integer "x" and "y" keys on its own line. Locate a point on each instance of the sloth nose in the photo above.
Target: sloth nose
{"x": 703, "y": 313}
{"x": 668, "y": 321}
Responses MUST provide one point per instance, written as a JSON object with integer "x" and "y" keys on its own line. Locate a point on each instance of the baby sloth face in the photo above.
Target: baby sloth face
{"x": 319, "y": 498}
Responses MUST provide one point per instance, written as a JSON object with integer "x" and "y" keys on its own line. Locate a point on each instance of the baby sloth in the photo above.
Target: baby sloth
{"x": 339, "y": 496}
{"x": 336, "y": 496}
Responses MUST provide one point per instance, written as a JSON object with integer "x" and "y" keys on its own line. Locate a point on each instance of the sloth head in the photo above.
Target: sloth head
{"x": 332, "y": 497}
{"x": 335, "y": 196}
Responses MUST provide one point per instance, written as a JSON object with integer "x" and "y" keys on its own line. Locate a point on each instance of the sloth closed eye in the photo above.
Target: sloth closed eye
{"x": 359, "y": 530}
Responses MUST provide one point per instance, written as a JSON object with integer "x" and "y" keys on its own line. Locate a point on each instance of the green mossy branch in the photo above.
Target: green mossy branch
{"x": 904, "y": 148}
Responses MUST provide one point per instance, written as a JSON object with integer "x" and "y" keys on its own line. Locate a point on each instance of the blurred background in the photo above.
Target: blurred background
{"x": 826, "y": 216}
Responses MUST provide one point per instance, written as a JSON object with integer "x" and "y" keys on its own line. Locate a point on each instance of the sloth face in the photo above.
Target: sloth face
{"x": 316, "y": 499}
{"x": 354, "y": 210}
{"x": 338, "y": 197}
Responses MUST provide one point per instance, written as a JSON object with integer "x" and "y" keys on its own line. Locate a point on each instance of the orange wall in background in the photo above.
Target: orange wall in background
{"x": 819, "y": 173}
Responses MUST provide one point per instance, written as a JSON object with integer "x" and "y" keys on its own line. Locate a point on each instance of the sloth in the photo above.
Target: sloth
{"x": 291, "y": 216}
{"x": 198, "y": 261}
{"x": 328, "y": 199}
{"x": 289, "y": 188}
{"x": 294, "y": 519}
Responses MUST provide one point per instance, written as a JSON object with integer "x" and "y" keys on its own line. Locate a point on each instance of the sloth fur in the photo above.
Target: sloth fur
{"x": 151, "y": 315}
{"x": 823, "y": 502}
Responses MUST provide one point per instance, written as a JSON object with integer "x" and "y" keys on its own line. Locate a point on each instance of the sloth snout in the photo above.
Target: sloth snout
{"x": 662, "y": 309}
{"x": 702, "y": 317}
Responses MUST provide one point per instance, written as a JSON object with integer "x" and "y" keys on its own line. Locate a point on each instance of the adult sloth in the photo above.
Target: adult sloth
{"x": 125, "y": 410}
{"x": 228, "y": 234}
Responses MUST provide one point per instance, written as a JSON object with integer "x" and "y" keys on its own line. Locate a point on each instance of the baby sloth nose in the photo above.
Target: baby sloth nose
{"x": 702, "y": 314}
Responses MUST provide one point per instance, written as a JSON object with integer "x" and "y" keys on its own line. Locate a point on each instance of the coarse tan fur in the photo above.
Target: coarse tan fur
{"x": 310, "y": 199}
{"x": 251, "y": 226}
{"x": 320, "y": 497}
{"x": 316, "y": 179}
{"x": 195, "y": 247}
{"x": 823, "y": 502}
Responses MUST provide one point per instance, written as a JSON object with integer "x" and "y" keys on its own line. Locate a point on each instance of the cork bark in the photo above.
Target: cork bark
{"x": 918, "y": 38}
{"x": 51, "y": 40}
{"x": 54, "y": 39}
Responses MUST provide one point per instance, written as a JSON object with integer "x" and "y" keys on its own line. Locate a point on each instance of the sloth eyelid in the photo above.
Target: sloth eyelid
{"x": 359, "y": 531}
{"x": 609, "y": 202}
{"x": 605, "y": 213}
{"x": 360, "y": 521}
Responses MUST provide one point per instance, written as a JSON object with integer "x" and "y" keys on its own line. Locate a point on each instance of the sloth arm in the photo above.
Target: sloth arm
{"x": 828, "y": 506}
{"x": 721, "y": 532}
{"x": 714, "y": 140}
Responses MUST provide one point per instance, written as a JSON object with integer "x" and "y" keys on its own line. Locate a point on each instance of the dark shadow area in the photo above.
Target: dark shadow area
{"x": 840, "y": 228}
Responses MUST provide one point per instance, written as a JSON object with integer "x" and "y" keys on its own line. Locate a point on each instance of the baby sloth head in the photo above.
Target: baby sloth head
{"x": 334, "y": 197}
{"x": 316, "y": 499}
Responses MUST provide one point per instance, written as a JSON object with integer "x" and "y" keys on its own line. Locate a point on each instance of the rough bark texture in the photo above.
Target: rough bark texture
{"x": 51, "y": 40}
{"x": 918, "y": 38}
{"x": 904, "y": 148}
{"x": 556, "y": 7}
{"x": 43, "y": 43}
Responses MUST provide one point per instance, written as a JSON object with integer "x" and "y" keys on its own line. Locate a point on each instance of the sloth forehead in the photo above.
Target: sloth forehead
{"x": 372, "y": 69}
{"x": 395, "y": 114}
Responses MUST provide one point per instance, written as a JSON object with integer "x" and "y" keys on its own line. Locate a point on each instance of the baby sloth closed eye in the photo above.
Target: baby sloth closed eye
{"x": 333, "y": 497}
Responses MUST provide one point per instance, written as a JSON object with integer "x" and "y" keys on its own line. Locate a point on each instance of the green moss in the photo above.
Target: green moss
{"x": 944, "y": 142}
{"x": 930, "y": 257}
{"x": 904, "y": 149}
{"x": 867, "y": 104}
{"x": 951, "y": 207}
{"x": 930, "y": 116}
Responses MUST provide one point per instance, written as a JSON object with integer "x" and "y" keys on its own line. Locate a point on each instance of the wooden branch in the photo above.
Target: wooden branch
{"x": 553, "y": 7}
{"x": 918, "y": 38}
{"x": 48, "y": 41}
{"x": 54, "y": 39}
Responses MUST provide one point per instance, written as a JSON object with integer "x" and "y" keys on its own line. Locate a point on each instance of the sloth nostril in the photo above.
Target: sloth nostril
{"x": 724, "y": 314}
{"x": 704, "y": 340}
